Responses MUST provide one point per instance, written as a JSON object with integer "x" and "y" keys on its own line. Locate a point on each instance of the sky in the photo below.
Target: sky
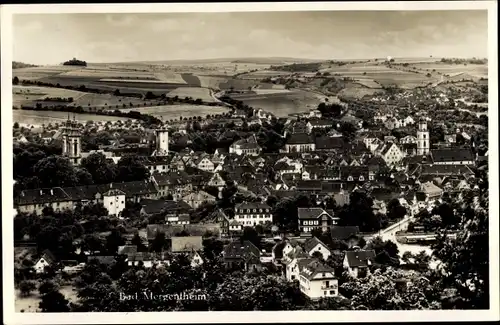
{"x": 55, "y": 38}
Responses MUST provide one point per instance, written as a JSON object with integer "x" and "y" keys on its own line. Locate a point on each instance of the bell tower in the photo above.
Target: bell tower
{"x": 72, "y": 141}
{"x": 423, "y": 141}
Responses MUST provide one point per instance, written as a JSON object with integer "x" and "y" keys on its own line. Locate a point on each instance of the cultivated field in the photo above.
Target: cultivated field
{"x": 105, "y": 100}
{"x": 25, "y": 117}
{"x": 193, "y": 92}
{"x": 474, "y": 70}
{"x": 283, "y": 103}
{"x": 24, "y": 95}
{"x": 40, "y": 72}
{"x": 169, "y": 112}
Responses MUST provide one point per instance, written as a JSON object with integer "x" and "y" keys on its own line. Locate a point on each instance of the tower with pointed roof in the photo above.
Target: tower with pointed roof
{"x": 72, "y": 141}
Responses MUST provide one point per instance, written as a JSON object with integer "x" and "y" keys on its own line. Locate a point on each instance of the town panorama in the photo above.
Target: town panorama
{"x": 251, "y": 183}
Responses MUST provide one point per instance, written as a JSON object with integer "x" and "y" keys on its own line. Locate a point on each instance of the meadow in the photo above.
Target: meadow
{"x": 24, "y": 95}
{"x": 28, "y": 117}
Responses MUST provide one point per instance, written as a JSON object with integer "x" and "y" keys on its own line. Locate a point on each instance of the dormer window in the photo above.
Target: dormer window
{"x": 350, "y": 178}
{"x": 361, "y": 178}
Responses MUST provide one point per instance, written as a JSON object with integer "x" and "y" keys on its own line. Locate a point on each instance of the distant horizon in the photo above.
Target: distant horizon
{"x": 222, "y": 59}
{"x": 50, "y": 39}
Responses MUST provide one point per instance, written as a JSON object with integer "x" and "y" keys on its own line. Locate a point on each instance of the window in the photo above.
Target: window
{"x": 110, "y": 203}
{"x": 324, "y": 293}
{"x": 332, "y": 292}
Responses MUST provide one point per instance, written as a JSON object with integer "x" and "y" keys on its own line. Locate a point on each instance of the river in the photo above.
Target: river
{"x": 27, "y": 117}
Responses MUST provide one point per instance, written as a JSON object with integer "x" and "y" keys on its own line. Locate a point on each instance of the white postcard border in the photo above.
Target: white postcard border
{"x": 10, "y": 317}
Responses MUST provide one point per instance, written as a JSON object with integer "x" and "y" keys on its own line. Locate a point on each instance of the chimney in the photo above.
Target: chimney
{"x": 51, "y": 192}
{"x": 41, "y": 192}
{"x": 110, "y": 185}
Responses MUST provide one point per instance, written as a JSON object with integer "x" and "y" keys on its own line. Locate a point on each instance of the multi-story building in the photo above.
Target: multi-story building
{"x": 315, "y": 218}
{"x": 252, "y": 213}
{"x": 318, "y": 280}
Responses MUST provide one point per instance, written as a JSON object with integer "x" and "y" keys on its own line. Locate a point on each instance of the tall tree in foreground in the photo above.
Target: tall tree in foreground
{"x": 465, "y": 262}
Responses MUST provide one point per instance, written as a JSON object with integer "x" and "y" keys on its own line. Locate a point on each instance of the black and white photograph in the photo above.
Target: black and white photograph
{"x": 265, "y": 160}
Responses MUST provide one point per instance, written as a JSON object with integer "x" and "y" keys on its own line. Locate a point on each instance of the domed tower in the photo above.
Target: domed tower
{"x": 423, "y": 142}
{"x": 72, "y": 141}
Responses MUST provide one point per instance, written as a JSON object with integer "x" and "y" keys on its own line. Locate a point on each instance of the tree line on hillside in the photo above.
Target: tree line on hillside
{"x": 75, "y": 62}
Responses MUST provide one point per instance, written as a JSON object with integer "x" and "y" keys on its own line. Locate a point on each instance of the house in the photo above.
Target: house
{"x": 178, "y": 184}
{"x": 329, "y": 143}
{"x": 315, "y": 218}
{"x": 346, "y": 234}
{"x": 391, "y": 153}
{"x": 357, "y": 262}
{"x": 158, "y": 164}
{"x": 148, "y": 259}
{"x": 295, "y": 262}
{"x": 239, "y": 113}
{"x": 317, "y": 280}
{"x": 318, "y": 124}
{"x": 176, "y": 212}
{"x": 248, "y": 146}
{"x": 204, "y": 163}
{"x": 235, "y": 227}
{"x": 313, "y": 245}
{"x": 195, "y": 200}
{"x": 392, "y": 123}
{"x": 359, "y": 174}
{"x": 431, "y": 191}
{"x": 409, "y": 139}
{"x": 252, "y": 213}
{"x": 244, "y": 255}
{"x": 222, "y": 219}
{"x": 45, "y": 260}
{"x": 114, "y": 202}
{"x": 452, "y": 157}
{"x": 61, "y": 198}
{"x": 171, "y": 230}
{"x": 300, "y": 142}
{"x": 217, "y": 181}
{"x": 189, "y": 245}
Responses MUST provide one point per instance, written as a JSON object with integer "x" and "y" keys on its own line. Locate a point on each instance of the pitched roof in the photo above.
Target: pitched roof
{"x": 327, "y": 143}
{"x": 360, "y": 258}
{"x": 48, "y": 256}
{"x": 451, "y": 155}
{"x": 312, "y": 213}
{"x": 313, "y": 242}
{"x": 152, "y": 206}
{"x": 252, "y": 205}
{"x": 237, "y": 249}
{"x": 300, "y": 138}
{"x": 198, "y": 229}
{"x": 187, "y": 244}
{"x": 313, "y": 268}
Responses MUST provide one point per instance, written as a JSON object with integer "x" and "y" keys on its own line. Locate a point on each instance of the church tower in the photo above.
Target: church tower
{"x": 161, "y": 142}
{"x": 72, "y": 141}
{"x": 423, "y": 142}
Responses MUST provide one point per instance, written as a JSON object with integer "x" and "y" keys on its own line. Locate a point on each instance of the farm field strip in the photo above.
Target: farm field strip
{"x": 176, "y": 110}
{"x": 193, "y": 92}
